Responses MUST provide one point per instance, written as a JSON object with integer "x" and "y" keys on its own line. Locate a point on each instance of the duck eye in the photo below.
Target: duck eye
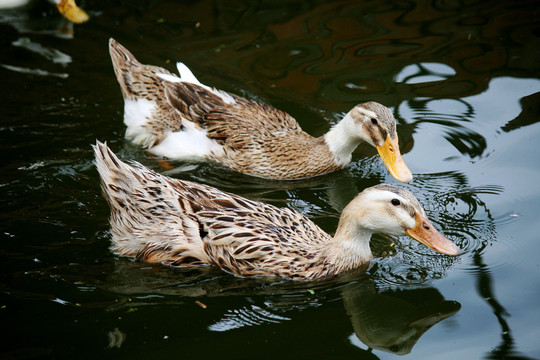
{"x": 396, "y": 202}
{"x": 373, "y": 121}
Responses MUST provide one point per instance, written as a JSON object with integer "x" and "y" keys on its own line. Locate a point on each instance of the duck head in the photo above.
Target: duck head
{"x": 375, "y": 124}
{"x": 395, "y": 211}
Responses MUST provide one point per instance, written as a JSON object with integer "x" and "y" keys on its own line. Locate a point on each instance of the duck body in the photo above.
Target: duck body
{"x": 178, "y": 117}
{"x": 158, "y": 219}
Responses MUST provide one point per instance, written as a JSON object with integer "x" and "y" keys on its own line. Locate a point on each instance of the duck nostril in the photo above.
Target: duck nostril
{"x": 426, "y": 227}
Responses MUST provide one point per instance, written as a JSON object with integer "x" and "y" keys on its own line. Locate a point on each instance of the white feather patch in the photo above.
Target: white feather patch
{"x": 382, "y": 195}
{"x": 368, "y": 113}
{"x": 341, "y": 140}
{"x": 188, "y": 143}
{"x": 170, "y": 78}
{"x": 186, "y": 74}
{"x": 136, "y": 115}
{"x": 227, "y": 98}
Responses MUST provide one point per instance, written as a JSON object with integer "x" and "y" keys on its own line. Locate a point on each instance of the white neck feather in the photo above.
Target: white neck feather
{"x": 350, "y": 245}
{"x": 342, "y": 141}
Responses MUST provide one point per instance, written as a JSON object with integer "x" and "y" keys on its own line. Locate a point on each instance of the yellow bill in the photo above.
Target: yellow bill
{"x": 71, "y": 11}
{"x": 391, "y": 157}
{"x": 424, "y": 232}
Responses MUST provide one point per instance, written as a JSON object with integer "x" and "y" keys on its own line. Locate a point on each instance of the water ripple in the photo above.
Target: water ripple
{"x": 247, "y": 316}
{"x": 459, "y": 209}
{"x": 38, "y": 72}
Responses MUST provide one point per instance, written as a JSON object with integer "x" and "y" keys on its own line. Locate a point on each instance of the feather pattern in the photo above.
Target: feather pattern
{"x": 158, "y": 219}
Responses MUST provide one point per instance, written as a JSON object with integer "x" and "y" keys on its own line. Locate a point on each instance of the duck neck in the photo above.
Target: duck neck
{"x": 349, "y": 248}
{"x": 341, "y": 141}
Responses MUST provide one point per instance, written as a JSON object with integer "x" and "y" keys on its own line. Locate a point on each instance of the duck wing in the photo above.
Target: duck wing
{"x": 159, "y": 219}
{"x": 253, "y": 138}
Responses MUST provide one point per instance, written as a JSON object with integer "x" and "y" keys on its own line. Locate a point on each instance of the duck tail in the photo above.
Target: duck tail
{"x": 111, "y": 171}
{"x": 146, "y": 220}
{"x": 124, "y": 64}
{"x": 120, "y": 56}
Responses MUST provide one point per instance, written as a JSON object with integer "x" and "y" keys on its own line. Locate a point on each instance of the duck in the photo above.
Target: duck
{"x": 68, "y": 8}
{"x": 158, "y": 219}
{"x": 178, "y": 117}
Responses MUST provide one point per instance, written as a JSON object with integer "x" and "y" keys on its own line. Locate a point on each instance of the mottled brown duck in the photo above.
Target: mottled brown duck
{"x": 177, "y": 117}
{"x": 158, "y": 219}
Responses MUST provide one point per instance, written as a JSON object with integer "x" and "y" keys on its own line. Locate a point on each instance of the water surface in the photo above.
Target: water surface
{"x": 463, "y": 81}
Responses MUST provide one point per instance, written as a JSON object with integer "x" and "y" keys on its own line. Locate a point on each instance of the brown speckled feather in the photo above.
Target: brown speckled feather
{"x": 158, "y": 219}
{"x": 258, "y": 139}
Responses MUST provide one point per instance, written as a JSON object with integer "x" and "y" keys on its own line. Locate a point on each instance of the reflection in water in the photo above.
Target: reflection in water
{"x": 530, "y": 113}
{"x": 38, "y": 72}
{"x": 390, "y": 320}
{"x": 116, "y": 338}
{"x": 52, "y": 55}
{"x": 35, "y": 21}
{"x": 465, "y": 140}
{"x": 424, "y": 72}
{"x": 346, "y": 51}
{"x": 393, "y": 321}
{"x": 506, "y": 349}
{"x": 136, "y": 279}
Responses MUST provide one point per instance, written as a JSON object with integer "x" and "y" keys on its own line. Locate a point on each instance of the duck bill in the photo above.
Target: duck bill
{"x": 391, "y": 157}
{"x": 424, "y": 232}
{"x": 72, "y": 12}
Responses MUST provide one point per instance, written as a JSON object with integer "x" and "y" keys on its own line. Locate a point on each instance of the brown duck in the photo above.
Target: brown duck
{"x": 162, "y": 220}
{"x": 177, "y": 117}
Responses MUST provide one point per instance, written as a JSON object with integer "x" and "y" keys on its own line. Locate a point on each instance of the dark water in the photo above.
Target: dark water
{"x": 463, "y": 80}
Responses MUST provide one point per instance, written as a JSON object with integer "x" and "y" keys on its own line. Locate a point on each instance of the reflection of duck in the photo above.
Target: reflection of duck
{"x": 178, "y": 117}
{"x": 68, "y": 8}
{"x": 390, "y": 321}
{"x": 159, "y": 219}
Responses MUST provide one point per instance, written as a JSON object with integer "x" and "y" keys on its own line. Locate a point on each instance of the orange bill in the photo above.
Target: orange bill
{"x": 391, "y": 157}
{"x": 424, "y": 232}
{"x": 71, "y": 11}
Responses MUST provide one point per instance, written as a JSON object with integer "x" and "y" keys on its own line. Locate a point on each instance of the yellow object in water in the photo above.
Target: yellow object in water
{"x": 71, "y": 11}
